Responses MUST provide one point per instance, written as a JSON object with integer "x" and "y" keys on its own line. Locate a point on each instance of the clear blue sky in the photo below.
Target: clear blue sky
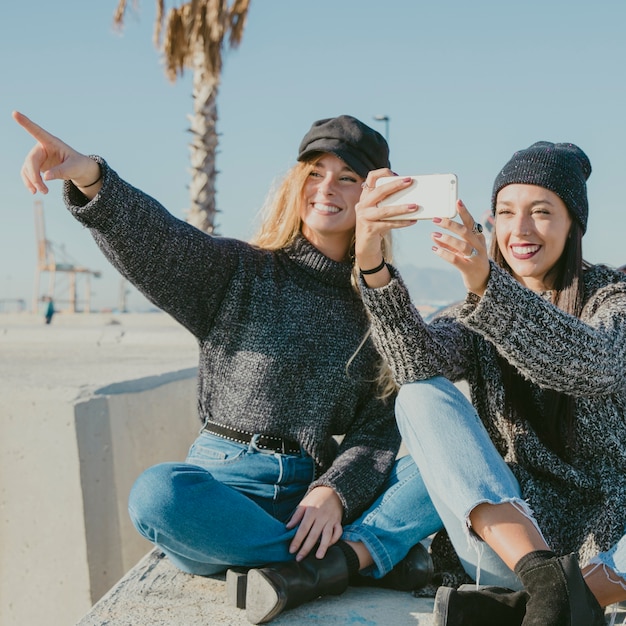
{"x": 464, "y": 84}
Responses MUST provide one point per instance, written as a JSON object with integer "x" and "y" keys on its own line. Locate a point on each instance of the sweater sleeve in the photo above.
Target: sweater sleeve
{"x": 180, "y": 269}
{"x": 413, "y": 349}
{"x": 555, "y": 350}
{"x": 365, "y": 458}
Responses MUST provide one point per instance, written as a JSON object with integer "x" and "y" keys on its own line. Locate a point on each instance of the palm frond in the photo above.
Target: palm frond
{"x": 196, "y": 29}
{"x": 238, "y": 18}
{"x": 176, "y": 44}
{"x": 158, "y": 23}
{"x": 120, "y": 12}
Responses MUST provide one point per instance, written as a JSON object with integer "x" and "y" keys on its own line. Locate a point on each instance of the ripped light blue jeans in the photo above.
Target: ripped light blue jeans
{"x": 228, "y": 504}
{"x": 461, "y": 469}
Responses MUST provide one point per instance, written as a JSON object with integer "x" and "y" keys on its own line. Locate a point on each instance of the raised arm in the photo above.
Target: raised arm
{"x": 553, "y": 349}
{"x": 180, "y": 269}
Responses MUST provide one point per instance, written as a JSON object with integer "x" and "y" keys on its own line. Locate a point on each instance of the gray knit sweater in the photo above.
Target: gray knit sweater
{"x": 580, "y": 504}
{"x": 276, "y": 331}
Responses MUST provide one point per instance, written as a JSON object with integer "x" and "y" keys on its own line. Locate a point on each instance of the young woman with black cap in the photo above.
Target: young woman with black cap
{"x": 529, "y": 481}
{"x": 285, "y": 365}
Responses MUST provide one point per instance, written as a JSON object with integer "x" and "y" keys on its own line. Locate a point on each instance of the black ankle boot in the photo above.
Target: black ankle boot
{"x": 479, "y": 606}
{"x": 414, "y": 571}
{"x": 274, "y": 589}
{"x": 558, "y": 593}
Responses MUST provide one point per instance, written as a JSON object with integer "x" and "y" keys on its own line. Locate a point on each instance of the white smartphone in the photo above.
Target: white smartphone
{"x": 435, "y": 195}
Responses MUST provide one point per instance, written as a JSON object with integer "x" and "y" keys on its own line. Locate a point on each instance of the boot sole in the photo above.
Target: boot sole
{"x": 236, "y": 583}
{"x": 440, "y": 609}
{"x": 263, "y": 601}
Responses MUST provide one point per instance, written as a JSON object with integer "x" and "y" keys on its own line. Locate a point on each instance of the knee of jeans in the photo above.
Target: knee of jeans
{"x": 415, "y": 396}
{"x": 156, "y": 496}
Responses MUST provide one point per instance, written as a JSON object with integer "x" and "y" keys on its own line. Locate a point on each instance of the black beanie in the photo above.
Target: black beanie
{"x": 563, "y": 168}
{"x": 362, "y": 148}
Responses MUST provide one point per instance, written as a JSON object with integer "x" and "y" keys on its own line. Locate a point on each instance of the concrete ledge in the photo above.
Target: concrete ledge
{"x": 85, "y": 405}
{"x": 155, "y": 593}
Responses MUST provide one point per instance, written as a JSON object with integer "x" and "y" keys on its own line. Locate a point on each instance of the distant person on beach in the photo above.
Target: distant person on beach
{"x": 531, "y": 481}
{"x": 286, "y": 364}
{"x": 49, "y": 314}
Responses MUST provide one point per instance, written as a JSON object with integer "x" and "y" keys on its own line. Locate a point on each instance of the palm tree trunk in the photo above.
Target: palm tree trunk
{"x": 203, "y": 148}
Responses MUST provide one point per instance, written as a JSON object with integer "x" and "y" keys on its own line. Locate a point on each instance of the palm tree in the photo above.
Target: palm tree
{"x": 195, "y": 33}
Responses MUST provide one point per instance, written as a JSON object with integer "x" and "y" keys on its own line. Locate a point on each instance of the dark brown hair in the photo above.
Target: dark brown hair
{"x": 552, "y": 417}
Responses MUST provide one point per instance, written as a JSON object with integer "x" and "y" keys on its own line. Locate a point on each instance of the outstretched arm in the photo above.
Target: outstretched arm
{"x": 52, "y": 159}
{"x": 180, "y": 269}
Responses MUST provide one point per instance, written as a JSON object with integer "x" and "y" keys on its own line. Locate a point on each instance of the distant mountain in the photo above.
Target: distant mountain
{"x": 433, "y": 287}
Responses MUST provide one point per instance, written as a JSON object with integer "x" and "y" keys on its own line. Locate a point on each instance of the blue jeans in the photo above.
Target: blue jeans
{"x": 228, "y": 504}
{"x": 462, "y": 469}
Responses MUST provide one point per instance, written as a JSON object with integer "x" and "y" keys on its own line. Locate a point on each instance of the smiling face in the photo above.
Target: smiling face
{"x": 330, "y": 194}
{"x": 532, "y": 226}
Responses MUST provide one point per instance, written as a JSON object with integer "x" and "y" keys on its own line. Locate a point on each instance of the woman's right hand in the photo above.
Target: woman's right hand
{"x": 51, "y": 159}
{"x": 318, "y": 519}
{"x": 372, "y": 225}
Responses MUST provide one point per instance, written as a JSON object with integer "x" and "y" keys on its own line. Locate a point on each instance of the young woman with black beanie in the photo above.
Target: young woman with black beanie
{"x": 529, "y": 481}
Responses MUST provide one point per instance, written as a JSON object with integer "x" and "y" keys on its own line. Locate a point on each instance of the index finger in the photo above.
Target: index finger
{"x": 465, "y": 215}
{"x": 374, "y": 175}
{"x": 374, "y": 194}
{"x": 31, "y": 128}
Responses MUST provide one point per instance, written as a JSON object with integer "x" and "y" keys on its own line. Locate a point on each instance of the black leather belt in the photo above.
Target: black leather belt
{"x": 264, "y": 442}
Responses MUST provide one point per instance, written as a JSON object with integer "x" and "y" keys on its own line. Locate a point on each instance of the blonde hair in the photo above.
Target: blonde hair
{"x": 281, "y": 223}
{"x": 281, "y": 220}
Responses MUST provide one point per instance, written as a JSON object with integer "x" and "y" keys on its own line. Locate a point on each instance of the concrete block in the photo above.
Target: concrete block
{"x": 85, "y": 405}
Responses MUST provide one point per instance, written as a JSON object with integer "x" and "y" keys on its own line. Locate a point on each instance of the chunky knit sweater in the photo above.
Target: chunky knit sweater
{"x": 580, "y": 503}
{"x": 276, "y": 331}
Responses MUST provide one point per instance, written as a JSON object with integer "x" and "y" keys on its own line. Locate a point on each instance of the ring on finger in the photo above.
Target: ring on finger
{"x": 477, "y": 228}
{"x": 472, "y": 254}
{"x": 364, "y": 185}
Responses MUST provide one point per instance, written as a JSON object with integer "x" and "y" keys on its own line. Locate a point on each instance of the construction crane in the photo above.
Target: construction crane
{"x": 52, "y": 260}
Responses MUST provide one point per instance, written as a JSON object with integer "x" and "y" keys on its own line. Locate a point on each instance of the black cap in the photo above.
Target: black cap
{"x": 563, "y": 168}
{"x": 362, "y": 148}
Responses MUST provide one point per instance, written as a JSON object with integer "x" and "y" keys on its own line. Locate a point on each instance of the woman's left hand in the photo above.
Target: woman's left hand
{"x": 465, "y": 248}
{"x": 318, "y": 518}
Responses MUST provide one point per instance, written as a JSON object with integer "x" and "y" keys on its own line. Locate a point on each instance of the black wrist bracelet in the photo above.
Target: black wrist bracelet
{"x": 375, "y": 269}
{"x": 92, "y": 184}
